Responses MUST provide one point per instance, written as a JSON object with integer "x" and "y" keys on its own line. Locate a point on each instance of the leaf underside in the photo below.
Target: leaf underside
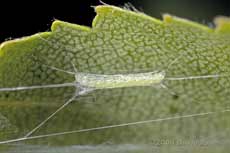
{"x": 120, "y": 41}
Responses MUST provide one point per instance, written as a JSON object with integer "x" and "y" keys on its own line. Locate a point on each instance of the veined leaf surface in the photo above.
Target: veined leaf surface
{"x": 121, "y": 41}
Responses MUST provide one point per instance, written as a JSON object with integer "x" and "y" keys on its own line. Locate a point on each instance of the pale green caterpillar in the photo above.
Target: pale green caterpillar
{"x": 97, "y": 81}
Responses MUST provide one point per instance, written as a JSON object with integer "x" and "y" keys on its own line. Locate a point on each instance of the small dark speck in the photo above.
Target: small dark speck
{"x": 39, "y": 76}
{"x": 175, "y": 96}
{"x": 7, "y": 95}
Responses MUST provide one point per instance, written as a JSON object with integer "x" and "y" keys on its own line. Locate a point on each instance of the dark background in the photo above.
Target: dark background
{"x": 22, "y": 19}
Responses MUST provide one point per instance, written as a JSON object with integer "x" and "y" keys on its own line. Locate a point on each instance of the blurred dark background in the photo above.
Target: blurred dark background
{"x": 21, "y": 19}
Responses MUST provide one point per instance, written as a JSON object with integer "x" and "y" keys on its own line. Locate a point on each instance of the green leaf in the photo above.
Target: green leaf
{"x": 121, "y": 41}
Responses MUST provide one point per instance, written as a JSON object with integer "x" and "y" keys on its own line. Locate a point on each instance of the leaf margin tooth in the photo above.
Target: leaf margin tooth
{"x": 170, "y": 19}
{"x": 222, "y": 24}
{"x": 58, "y": 23}
{"x": 102, "y": 10}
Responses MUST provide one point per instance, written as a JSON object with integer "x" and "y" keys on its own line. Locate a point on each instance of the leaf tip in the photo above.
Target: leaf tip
{"x": 222, "y": 24}
{"x": 3, "y": 45}
{"x": 57, "y": 25}
{"x": 114, "y": 11}
{"x": 167, "y": 18}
